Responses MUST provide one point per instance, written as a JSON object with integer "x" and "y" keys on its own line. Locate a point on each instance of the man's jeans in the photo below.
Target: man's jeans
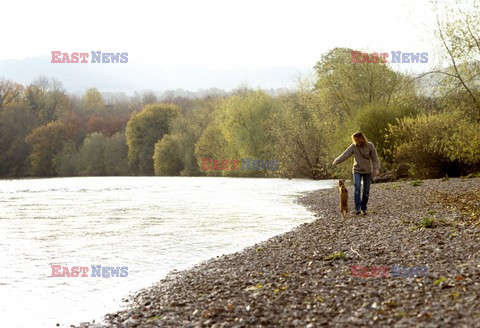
{"x": 361, "y": 204}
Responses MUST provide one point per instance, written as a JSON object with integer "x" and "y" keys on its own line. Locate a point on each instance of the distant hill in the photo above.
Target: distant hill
{"x": 131, "y": 77}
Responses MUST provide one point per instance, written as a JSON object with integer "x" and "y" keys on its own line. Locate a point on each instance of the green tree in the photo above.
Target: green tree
{"x": 98, "y": 155}
{"x": 46, "y": 142}
{"x": 10, "y": 92}
{"x": 247, "y": 124}
{"x": 143, "y": 130}
{"x": 186, "y": 130}
{"x": 166, "y": 158}
{"x": 116, "y": 155}
{"x": 47, "y": 99}
{"x": 91, "y": 155}
{"x": 240, "y": 127}
{"x": 374, "y": 121}
{"x": 346, "y": 86}
{"x": 303, "y": 128}
{"x": 66, "y": 161}
{"x": 92, "y": 101}
{"x": 212, "y": 144}
{"x": 458, "y": 31}
{"x": 15, "y": 123}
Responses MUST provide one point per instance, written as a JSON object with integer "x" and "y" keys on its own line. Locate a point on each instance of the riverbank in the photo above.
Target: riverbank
{"x": 304, "y": 278}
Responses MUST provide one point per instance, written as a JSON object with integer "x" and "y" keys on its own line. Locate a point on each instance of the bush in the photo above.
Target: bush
{"x": 374, "y": 120}
{"x": 436, "y": 144}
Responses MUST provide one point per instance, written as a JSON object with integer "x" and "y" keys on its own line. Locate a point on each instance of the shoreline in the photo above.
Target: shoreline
{"x": 289, "y": 280}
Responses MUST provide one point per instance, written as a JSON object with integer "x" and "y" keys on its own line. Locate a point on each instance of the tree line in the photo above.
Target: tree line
{"x": 422, "y": 126}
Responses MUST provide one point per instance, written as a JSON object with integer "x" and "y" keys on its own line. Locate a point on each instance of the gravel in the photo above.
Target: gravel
{"x": 303, "y": 278}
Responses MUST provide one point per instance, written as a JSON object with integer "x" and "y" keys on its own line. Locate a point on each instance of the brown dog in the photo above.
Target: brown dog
{"x": 343, "y": 198}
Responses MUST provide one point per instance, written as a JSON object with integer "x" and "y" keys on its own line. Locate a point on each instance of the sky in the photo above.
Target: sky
{"x": 215, "y": 34}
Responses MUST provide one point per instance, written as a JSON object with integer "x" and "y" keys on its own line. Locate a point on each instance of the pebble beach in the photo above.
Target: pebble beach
{"x": 303, "y": 278}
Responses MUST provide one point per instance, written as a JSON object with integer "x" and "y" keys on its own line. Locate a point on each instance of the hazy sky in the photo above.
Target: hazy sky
{"x": 218, "y": 34}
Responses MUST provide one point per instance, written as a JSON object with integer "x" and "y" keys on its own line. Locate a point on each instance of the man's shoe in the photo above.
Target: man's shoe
{"x": 358, "y": 212}
{"x": 364, "y": 212}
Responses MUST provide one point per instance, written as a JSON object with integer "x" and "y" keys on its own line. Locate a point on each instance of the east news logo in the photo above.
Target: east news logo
{"x": 359, "y": 57}
{"x": 97, "y": 271}
{"x": 98, "y": 57}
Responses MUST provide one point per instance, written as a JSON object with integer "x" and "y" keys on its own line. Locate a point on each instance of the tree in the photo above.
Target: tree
{"x": 304, "y": 130}
{"x": 9, "y": 92}
{"x": 374, "y": 120}
{"x": 186, "y": 130}
{"x": 116, "y": 155}
{"x": 98, "y": 155}
{"x": 46, "y": 142}
{"x": 212, "y": 144}
{"x": 108, "y": 123}
{"x": 66, "y": 161}
{"x": 15, "y": 123}
{"x": 247, "y": 124}
{"x": 144, "y": 129}
{"x": 92, "y": 101}
{"x": 47, "y": 99}
{"x": 91, "y": 156}
{"x": 166, "y": 158}
{"x": 240, "y": 127}
{"x": 347, "y": 86}
{"x": 459, "y": 34}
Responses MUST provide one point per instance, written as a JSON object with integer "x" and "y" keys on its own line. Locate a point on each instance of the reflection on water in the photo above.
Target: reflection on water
{"x": 151, "y": 225}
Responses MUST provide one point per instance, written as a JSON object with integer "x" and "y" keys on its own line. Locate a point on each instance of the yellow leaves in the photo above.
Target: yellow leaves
{"x": 281, "y": 288}
{"x": 254, "y": 288}
{"x": 467, "y": 202}
{"x": 259, "y": 287}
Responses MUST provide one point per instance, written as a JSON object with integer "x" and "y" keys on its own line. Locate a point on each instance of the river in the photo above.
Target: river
{"x": 151, "y": 225}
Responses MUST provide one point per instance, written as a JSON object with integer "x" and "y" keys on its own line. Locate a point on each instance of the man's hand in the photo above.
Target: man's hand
{"x": 376, "y": 173}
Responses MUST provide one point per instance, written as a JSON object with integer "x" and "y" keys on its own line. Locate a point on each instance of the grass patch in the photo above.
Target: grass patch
{"x": 427, "y": 222}
{"x": 473, "y": 175}
{"x": 445, "y": 178}
{"x": 393, "y": 186}
{"x": 416, "y": 183}
{"x": 439, "y": 280}
{"x": 335, "y": 256}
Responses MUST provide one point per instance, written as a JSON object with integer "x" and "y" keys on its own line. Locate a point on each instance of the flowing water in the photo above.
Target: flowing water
{"x": 151, "y": 225}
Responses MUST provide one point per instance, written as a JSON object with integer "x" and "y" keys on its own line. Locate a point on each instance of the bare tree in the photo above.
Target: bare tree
{"x": 9, "y": 91}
